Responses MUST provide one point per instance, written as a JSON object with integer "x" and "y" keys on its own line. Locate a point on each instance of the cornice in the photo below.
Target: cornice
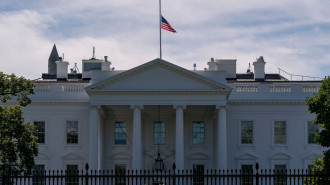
{"x": 266, "y": 102}
{"x": 139, "y": 92}
{"x": 60, "y": 103}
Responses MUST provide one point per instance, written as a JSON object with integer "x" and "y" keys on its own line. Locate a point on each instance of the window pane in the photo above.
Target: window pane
{"x": 280, "y": 132}
{"x": 198, "y": 133}
{"x": 312, "y": 131}
{"x": 72, "y": 132}
{"x": 120, "y": 133}
{"x": 247, "y": 132}
{"x": 40, "y": 125}
{"x": 159, "y": 133}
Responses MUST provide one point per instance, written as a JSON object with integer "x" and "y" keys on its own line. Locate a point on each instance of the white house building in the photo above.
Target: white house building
{"x": 210, "y": 119}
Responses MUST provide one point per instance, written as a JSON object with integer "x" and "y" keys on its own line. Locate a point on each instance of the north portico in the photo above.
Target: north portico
{"x": 157, "y": 91}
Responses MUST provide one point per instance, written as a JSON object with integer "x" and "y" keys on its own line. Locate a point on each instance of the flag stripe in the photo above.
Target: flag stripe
{"x": 166, "y": 25}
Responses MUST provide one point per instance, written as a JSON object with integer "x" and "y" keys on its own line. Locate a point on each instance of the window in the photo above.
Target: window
{"x": 120, "y": 172}
{"x": 38, "y": 174}
{"x": 159, "y": 133}
{"x": 312, "y": 131}
{"x": 72, "y": 175}
{"x": 198, "y": 133}
{"x": 40, "y": 125}
{"x": 247, "y": 174}
{"x": 72, "y": 132}
{"x": 198, "y": 173}
{"x": 246, "y": 132}
{"x": 120, "y": 133}
{"x": 280, "y": 174}
{"x": 280, "y": 132}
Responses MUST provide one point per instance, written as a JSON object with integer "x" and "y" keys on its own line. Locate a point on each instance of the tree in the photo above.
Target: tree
{"x": 320, "y": 105}
{"x": 18, "y": 143}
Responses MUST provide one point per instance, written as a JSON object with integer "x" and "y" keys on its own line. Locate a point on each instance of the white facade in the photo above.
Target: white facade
{"x": 207, "y": 119}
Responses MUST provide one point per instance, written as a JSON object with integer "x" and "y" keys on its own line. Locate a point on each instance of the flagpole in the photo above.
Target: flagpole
{"x": 160, "y": 30}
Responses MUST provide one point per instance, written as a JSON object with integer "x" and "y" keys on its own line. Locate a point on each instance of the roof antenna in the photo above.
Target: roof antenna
{"x": 93, "y": 58}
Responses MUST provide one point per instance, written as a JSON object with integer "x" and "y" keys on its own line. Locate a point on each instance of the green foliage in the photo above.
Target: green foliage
{"x": 18, "y": 143}
{"x": 320, "y": 105}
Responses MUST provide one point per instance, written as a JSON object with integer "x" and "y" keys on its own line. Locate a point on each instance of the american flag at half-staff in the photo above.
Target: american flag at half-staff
{"x": 166, "y": 25}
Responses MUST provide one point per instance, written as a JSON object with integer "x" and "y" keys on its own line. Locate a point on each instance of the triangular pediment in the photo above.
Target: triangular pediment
{"x": 158, "y": 75}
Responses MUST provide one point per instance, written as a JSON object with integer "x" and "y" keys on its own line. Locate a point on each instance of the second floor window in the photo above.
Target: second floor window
{"x": 198, "y": 133}
{"x": 280, "y": 132}
{"x": 72, "y": 132}
{"x": 159, "y": 132}
{"x": 312, "y": 131}
{"x": 120, "y": 133}
{"x": 247, "y": 132}
{"x": 40, "y": 125}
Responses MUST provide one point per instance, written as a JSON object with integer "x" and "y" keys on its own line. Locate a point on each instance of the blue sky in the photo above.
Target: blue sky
{"x": 290, "y": 34}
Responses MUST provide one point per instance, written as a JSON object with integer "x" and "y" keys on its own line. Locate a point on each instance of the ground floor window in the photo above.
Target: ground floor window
{"x": 247, "y": 174}
{"x": 120, "y": 172}
{"x": 280, "y": 174}
{"x": 38, "y": 174}
{"x": 72, "y": 173}
{"x": 198, "y": 172}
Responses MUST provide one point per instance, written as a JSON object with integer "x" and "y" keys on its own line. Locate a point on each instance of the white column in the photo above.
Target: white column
{"x": 179, "y": 137}
{"x": 94, "y": 127}
{"x": 137, "y": 137}
{"x": 221, "y": 137}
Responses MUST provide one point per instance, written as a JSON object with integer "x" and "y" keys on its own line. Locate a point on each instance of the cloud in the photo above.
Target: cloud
{"x": 292, "y": 35}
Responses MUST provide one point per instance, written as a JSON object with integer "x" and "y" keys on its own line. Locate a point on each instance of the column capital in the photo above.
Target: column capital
{"x": 97, "y": 107}
{"x": 179, "y": 106}
{"x": 221, "y": 107}
{"x": 136, "y": 106}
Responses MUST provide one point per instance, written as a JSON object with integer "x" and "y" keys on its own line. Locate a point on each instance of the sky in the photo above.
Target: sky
{"x": 293, "y": 35}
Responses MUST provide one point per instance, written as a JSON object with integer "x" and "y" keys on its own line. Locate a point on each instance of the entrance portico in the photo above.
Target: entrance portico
{"x": 132, "y": 96}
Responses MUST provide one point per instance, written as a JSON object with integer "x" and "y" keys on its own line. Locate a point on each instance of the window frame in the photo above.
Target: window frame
{"x": 45, "y": 129}
{"x": 40, "y": 179}
{"x": 75, "y": 179}
{"x": 286, "y": 132}
{"x": 204, "y": 133}
{"x": 122, "y": 181}
{"x": 307, "y": 133}
{"x": 153, "y": 133}
{"x": 240, "y": 132}
{"x": 78, "y": 132}
{"x": 115, "y": 133}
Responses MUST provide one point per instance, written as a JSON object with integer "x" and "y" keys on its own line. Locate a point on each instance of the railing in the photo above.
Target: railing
{"x": 41, "y": 88}
{"x": 277, "y": 88}
{"x": 72, "y": 88}
{"x": 293, "y": 76}
{"x": 246, "y": 88}
{"x": 170, "y": 177}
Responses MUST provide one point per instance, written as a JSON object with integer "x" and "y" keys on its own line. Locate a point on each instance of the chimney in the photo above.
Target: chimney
{"x": 62, "y": 70}
{"x": 228, "y": 65}
{"x": 259, "y": 69}
{"x": 106, "y": 64}
{"x": 212, "y": 65}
